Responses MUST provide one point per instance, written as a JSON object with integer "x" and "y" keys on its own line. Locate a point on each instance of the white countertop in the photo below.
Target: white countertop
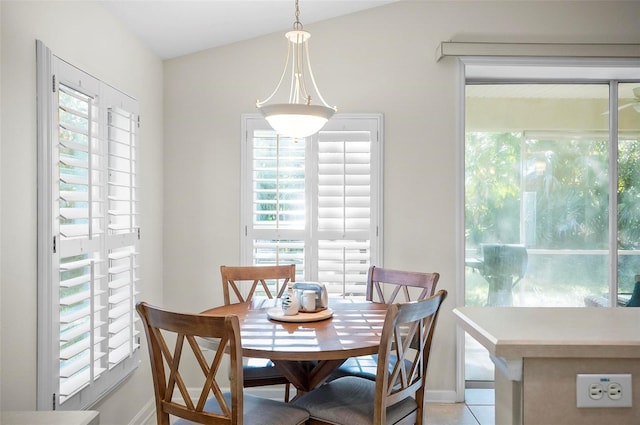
{"x": 569, "y": 332}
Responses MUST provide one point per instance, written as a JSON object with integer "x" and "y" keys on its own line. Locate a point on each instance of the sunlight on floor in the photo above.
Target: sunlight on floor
{"x": 478, "y": 409}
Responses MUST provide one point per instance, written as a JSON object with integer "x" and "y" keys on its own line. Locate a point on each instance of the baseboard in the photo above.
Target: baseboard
{"x": 435, "y": 396}
{"x": 147, "y": 415}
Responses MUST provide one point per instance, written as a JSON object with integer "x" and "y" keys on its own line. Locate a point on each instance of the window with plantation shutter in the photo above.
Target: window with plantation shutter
{"x": 88, "y": 236}
{"x": 315, "y": 202}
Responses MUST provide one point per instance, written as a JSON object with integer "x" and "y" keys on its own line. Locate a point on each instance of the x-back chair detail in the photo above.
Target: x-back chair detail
{"x": 211, "y": 405}
{"x": 397, "y": 396}
{"x": 401, "y": 286}
{"x": 258, "y": 372}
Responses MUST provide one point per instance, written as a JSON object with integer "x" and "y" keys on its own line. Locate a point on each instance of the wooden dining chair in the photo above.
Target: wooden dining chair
{"x": 210, "y": 405}
{"x": 388, "y": 286}
{"x": 397, "y": 396}
{"x": 234, "y": 276}
{"x": 243, "y": 282}
{"x": 399, "y": 282}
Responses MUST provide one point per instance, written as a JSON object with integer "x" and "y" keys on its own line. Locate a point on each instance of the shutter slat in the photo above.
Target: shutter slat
{"x": 343, "y": 136}
{"x": 74, "y": 145}
{"x": 74, "y": 213}
{"x": 79, "y": 280}
{"x": 71, "y": 386}
{"x": 72, "y": 196}
{"x": 74, "y": 230}
{"x": 75, "y": 349}
{"x": 119, "y": 269}
{"x": 75, "y": 298}
{"x": 118, "y": 325}
{"x": 73, "y": 265}
{"x": 73, "y": 179}
{"x": 120, "y": 338}
{"x": 74, "y": 332}
{"x": 74, "y": 162}
{"x": 119, "y": 297}
{"x": 121, "y": 353}
{"x": 119, "y": 311}
{"x": 73, "y": 368}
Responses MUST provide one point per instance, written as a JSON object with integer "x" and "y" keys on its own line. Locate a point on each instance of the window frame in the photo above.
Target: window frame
{"x": 372, "y": 121}
{"x": 52, "y": 72}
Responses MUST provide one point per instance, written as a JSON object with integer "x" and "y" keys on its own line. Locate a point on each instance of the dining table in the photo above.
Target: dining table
{"x": 305, "y": 351}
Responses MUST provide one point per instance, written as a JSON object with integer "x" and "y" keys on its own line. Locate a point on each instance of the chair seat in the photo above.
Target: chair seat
{"x": 364, "y": 367}
{"x": 350, "y": 401}
{"x": 258, "y": 410}
{"x": 266, "y": 369}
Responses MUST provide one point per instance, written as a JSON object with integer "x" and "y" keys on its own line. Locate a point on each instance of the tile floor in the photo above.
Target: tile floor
{"x": 478, "y": 409}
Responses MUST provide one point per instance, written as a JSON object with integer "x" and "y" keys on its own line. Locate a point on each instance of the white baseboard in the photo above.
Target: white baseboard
{"x": 440, "y": 396}
{"x": 147, "y": 415}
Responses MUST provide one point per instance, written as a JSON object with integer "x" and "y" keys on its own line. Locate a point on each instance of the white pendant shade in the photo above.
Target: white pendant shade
{"x": 296, "y": 120}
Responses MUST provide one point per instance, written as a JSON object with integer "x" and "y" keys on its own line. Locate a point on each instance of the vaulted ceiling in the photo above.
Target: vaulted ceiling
{"x": 173, "y": 28}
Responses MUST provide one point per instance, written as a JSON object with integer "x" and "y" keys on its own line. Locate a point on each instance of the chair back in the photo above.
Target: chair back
{"x": 400, "y": 281}
{"x": 233, "y": 276}
{"x": 167, "y": 360}
{"x": 402, "y": 371}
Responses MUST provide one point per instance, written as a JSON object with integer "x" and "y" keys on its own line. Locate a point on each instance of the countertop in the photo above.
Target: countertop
{"x": 570, "y": 332}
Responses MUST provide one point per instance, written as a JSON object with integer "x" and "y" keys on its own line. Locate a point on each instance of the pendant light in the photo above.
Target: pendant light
{"x": 298, "y": 118}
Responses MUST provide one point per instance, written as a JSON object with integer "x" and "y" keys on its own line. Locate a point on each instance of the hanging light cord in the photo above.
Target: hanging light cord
{"x": 297, "y": 25}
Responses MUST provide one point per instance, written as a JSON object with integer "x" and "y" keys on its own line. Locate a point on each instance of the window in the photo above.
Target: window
{"x": 315, "y": 202}
{"x": 88, "y": 235}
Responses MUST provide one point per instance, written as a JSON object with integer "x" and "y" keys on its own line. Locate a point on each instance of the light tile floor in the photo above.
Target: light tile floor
{"x": 478, "y": 409}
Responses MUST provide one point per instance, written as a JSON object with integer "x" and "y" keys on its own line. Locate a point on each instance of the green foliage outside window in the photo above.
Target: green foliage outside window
{"x": 552, "y": 193}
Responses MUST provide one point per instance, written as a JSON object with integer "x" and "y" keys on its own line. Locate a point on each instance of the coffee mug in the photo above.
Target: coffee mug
{"x": 308, "y": 303}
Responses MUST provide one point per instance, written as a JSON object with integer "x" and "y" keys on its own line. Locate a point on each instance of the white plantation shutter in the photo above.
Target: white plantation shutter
{"x": 88, "y": 236}
{"x": 277, "y": 192}
{"x": 123, "y": 235}
{"x": 81, "y": 232}
{"x": 315, "y": 202}
{"x": 344, "y": 199}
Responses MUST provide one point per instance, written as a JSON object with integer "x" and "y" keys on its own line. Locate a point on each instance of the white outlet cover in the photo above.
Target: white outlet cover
{"x": 585, "y": 381}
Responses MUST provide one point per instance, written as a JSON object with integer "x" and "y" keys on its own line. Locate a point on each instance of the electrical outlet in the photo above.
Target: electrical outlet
{"x": 614, "y": 391}
{"x": 596, "y": 391}
{"x": 602, "y": 390}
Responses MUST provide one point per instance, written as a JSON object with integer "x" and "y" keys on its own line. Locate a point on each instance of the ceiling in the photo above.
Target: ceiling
{"x": 172, "y": 28}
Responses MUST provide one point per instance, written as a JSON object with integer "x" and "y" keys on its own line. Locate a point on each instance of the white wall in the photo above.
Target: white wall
{"x": 380, "y": 60}
{"x": 84, "y": 34}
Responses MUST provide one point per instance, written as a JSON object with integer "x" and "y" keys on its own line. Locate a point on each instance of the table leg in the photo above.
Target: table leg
{"x": 307, "y": 375}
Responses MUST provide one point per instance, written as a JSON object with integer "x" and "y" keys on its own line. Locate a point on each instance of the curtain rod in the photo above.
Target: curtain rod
{"x": 567, "y": 50}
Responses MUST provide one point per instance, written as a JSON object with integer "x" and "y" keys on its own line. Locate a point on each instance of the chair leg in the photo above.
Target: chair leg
{"x": 287, "y": 387}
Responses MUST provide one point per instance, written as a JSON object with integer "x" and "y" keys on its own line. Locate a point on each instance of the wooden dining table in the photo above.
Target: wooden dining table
{"x": 306, "y": 353}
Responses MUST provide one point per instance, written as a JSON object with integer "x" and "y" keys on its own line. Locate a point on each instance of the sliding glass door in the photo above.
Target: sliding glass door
{"x": 551, "y": 194}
